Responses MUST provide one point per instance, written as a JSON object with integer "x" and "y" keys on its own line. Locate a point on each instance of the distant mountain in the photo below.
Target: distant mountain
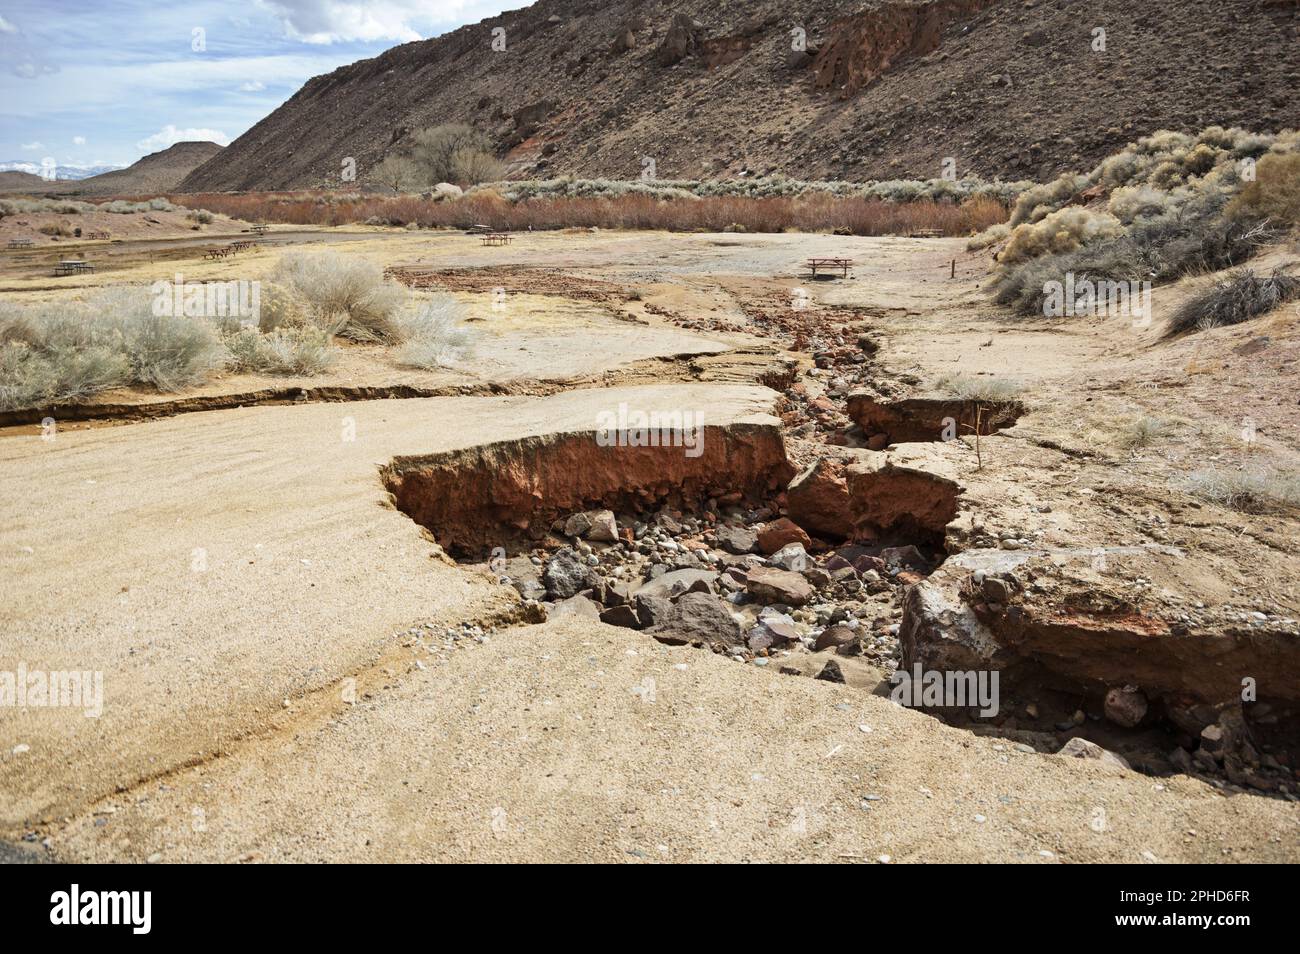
{"x": 61, "y": 173}
{"x": 842, "y": 89}
{"x": 16, "y": 181}
{"x": 157, "y": 172}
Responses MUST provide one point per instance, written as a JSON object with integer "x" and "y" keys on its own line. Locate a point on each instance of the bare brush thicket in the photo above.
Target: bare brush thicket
{"x": 815, "y": 211}
{"x": 1169, "y": 205}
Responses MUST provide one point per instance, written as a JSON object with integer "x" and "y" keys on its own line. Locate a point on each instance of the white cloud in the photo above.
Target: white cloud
{"x": 33, "y": 146}
{"x": 332, "y": 21}
{"x": 19, "y": 56}
{"x": 78, "y": 140}
{"x": 169, "y": 135}
{"x": 254, "y": 86}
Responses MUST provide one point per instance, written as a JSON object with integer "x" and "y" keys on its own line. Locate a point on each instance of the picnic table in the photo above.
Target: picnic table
{"x": 480, "y": 230}
{"x": 927, "y": 233}
{"x": 99, "y": 235}
{"x": 73, "y": 266}
{"x": 495, "y": 238}
{"x": 20, "y": 243}
{"x": 830, "y": 264}
{"x": 260, "y": 229}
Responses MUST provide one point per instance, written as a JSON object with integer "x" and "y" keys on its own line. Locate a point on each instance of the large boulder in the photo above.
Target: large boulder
{"x": 780, "y": 533}
{"x": 681, "y": 40}
{"x": 567, "y": 574}
{"x": 699, "y": 619}
{"x": 818, "y": 500}
{"x": 771, "y": 585}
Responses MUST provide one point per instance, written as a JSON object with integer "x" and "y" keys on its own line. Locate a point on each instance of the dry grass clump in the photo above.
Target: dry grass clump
{"x": 1250, "y": 491}
{"x": 1142, "y": 431}
{"x": 292, "y": 351}
{"x": 1240, "y": 296}
{"x": 992, "y": 392}
{"x": 434, "y": 335}
{"x": 343, "y": 295}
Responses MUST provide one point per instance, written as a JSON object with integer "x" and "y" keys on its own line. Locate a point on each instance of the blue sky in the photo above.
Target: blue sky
{"x": 104, "y": 83}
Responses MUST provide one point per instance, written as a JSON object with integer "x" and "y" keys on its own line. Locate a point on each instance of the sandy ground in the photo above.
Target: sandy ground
{"x": 238, "y": 558}
{"x": 225, "y": 734}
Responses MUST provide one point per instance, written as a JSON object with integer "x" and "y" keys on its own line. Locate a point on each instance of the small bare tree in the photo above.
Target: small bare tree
{"x": 398, "y": 173}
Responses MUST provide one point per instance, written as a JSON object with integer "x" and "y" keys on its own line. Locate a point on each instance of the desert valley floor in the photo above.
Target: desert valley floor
{"x": 327, "y": 683}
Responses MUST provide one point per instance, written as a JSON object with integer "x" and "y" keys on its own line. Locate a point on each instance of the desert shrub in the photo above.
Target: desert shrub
{"x": 1275, "y": 193}
{"x": 1058, "y": 232}
{"x": 61, "y": 231}
{"x": 201, "y": 216}
{"x": 36, "y": 377}
{"x": 296, "y": 351}
{"x": 1250, "y": 491}
{"x": 169, "y": 352}
{"x": 980, "y": 213}
{"x": 1239, "y": 297}
{"x": 1038, "y": 201}
{"x": 111, "y": 339}
{"x": 282, "y": 306}
{"x": 998, "y": 232}
{"x": 124, "y": 207}
{"x": 345, "y": 295}
{"x": 433, "y": 335}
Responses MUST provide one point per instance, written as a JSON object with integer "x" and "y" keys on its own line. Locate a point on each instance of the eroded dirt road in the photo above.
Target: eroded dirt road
{"x": 293, "y": 671}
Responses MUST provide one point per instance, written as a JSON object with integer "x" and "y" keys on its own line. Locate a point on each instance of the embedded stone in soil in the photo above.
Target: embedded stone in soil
{"x": 913, "y": 420}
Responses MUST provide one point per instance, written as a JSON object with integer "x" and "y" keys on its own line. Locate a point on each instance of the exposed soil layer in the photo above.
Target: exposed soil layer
{"x": 468, "y": 498}
{"x": 928, "y": 419}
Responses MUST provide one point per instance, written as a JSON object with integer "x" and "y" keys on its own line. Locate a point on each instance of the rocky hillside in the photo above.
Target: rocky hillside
{"x": 711, "y": 88}
{"x": 157, "y": 172}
